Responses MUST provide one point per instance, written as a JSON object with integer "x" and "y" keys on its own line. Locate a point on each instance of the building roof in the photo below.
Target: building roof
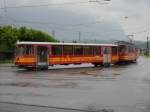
{"x": 61, "y": 43}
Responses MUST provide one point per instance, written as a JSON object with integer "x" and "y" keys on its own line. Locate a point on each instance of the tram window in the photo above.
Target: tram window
{"x": 68, "y": 50}
{"x": 130, "y": 49}
{"x": 87, "y": 50}
{"x": 78, "y": 50}
{"x": 57, "y": 50}
{"x": 20, "y": 50}
{"x": 114, "y": 50}
{"x": 25, "y": 50}
{"x": 29, "y": 50}
{"x": 133, "y": 50}
{"x": 122, "y": 49}
{"x": 96, "y": 50}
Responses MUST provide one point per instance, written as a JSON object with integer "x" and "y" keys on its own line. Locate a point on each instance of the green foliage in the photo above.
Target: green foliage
{"x": 9, "y": 35}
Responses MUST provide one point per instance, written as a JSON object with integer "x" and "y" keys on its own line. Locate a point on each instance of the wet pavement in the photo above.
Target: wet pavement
{"x": 77, "y": 88}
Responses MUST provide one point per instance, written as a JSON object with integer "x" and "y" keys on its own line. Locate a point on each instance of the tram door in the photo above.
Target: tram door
{"x": 106, "y": 55}
{"x": 42, "y": 56}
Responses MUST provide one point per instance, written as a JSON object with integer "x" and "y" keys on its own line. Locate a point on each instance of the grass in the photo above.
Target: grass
{"x": 144, "y": 55}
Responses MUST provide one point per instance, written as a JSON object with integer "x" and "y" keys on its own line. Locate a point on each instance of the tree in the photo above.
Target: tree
{"x": 9, "y": 35}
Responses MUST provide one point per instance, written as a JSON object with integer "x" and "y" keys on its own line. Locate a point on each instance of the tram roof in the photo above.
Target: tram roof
{"x": 124, "y": 43}
{"x": 61, "y": 43}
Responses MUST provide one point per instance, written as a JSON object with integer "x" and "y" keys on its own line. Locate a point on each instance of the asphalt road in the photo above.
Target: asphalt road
{"x": 79, "y": 88}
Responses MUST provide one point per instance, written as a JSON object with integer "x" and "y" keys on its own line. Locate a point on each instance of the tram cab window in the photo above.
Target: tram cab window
{"x": 88, "y": 50}
{"x": 25, "y": 50}
{"x": 122, "y": 48}
{"x": 68, "y": 50}
{"x": 78, "y": 50}
{"x": 56, "y": 50}
{"x": 96, "y": 50}
{"x": 130, "y": 49}
{"x": 114, "y": 50}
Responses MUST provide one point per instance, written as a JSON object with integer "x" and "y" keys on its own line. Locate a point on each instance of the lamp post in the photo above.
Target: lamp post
{"x": 147, "y": 46}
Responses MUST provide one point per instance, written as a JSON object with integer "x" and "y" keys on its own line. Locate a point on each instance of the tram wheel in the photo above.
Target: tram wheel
{"x": 44, "y": 68}
{"x": 95, "y": 65}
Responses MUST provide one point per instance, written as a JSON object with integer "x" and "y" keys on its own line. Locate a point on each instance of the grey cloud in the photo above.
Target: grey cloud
{"x": 60, "y": 17}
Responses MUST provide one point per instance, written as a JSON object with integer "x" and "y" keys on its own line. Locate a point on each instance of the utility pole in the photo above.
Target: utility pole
{"x": 5, "y": 9}
{"x": 95, "y": 40}
{"x": 79, "y": 36}
{"x": 147, "y": 47}
{"x": 53, "y": 33}
{"x": 5, "y": 6}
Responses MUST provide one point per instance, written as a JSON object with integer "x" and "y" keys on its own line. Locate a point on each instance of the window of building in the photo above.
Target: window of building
{"x": 68, "y": 50}
{"x": 56, "y": 50}
{"x": 78, "y": 50}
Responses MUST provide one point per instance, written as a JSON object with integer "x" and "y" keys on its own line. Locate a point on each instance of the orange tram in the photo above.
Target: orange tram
{"x": 43, "y": 54}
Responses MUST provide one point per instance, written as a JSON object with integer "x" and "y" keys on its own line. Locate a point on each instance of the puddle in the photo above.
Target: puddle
{"x": 66, "y": 85}
{"x": 20, "y": 84}
{"x": 41, "y": 84}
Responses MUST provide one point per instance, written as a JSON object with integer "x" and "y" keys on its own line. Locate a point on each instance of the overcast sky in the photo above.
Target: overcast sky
{"x": 95, "y": 21}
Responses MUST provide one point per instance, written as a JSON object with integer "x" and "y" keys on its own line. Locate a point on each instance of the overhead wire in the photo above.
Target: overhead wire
{"x": 55, "y": 4}
{"x": 43, "y": 5}
{"x": 57, "y": 26}
{"x": 60, "y": 28}
{"x": 52, "y": 23}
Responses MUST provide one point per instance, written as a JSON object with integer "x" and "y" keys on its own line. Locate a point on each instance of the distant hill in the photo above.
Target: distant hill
{"x": 141, "y": 44}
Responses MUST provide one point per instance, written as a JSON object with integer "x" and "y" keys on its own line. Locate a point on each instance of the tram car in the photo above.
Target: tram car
{"x": 127, "y": 52}
{"x": 43, "y": 54}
